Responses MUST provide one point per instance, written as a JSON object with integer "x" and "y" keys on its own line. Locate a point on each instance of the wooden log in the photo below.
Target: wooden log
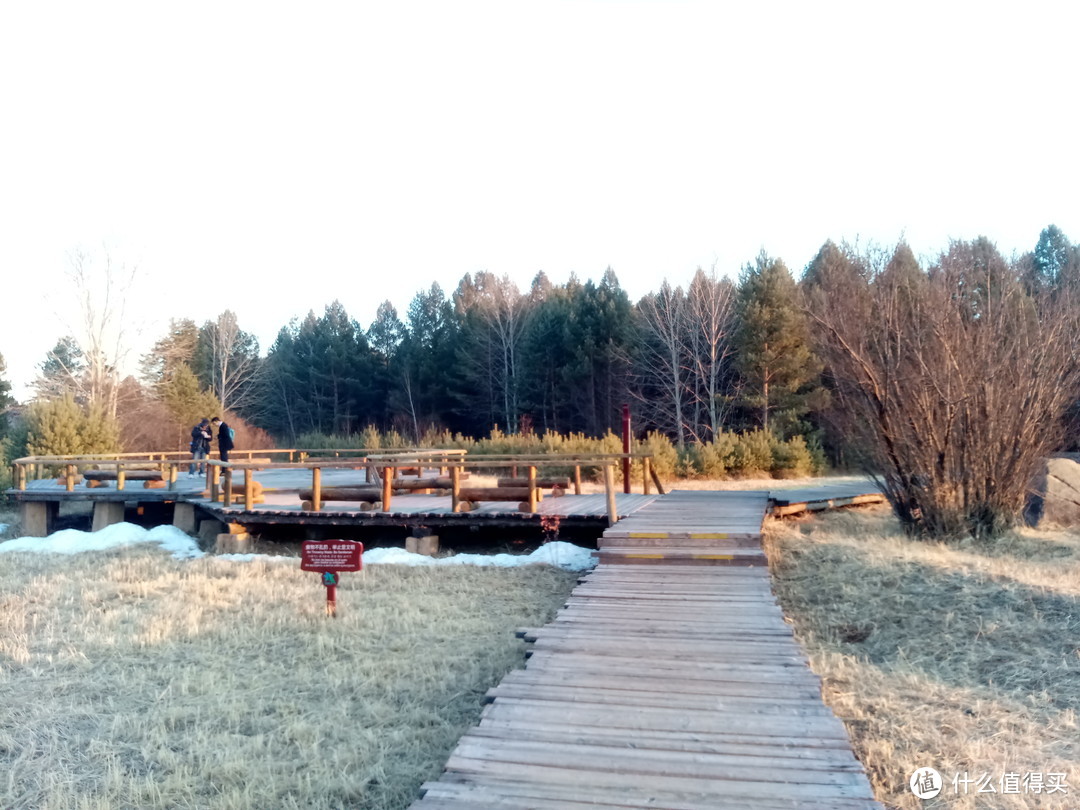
{"x": 130, "y": 475}
{"x": 494, "y": 494}
{"x": 543, "y": 483}
{"x": 368, "y": 494}
{"x": 423, "y": 483}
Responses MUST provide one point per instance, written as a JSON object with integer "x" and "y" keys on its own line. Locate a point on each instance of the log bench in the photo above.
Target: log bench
{"x": 152, "y": 479}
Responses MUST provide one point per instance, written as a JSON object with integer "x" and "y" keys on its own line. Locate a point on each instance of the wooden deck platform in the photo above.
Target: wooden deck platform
{"x": 677, "y": 686}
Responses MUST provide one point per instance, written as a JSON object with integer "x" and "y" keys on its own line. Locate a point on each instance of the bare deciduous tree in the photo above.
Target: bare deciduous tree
{"x": 957, "y": 378}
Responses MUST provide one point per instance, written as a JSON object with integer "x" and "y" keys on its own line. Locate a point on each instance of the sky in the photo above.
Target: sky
{"x": 272, "y": 157}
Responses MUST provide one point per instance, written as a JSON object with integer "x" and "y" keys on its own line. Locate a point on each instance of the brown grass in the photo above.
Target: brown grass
{"x": 955, "y": 657}
{"x": 132, "y": 680}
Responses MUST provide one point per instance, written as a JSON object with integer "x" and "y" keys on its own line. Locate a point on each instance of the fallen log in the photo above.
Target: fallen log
{"x": 443, "y": 482}
{"x": 130, "y": 475}
{"x": 369, "y": 494}
{"x": 494, "y": 494}
{"x": 543, "y": 483}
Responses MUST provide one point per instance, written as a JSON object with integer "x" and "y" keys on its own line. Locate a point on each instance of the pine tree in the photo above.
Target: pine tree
{"x": 779, "y": 372}
{"x": 186, "y": 400}
{"x": 64, "y": 427}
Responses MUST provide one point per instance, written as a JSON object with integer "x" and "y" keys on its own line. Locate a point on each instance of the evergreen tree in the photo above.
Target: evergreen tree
{"x": 64, "y": 427}
{"x": 175, "y": 349}
{"x": 6, "y": 400}
{"x": 186, "y": 400}
{"x": 779, "y": 372}
{"x": 1056, "y": 261}
{"x": 62, "y": 372}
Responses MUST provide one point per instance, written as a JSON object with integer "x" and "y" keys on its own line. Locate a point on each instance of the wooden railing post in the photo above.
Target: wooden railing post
{"x": 577, "y": 479}
{"x": 532, "y": 489}
{"x": 69, "y": 477}
{"x": 21, "y": 476}
{"x": 316, "y": 489}
{"x": 455, "y": 488}
{"x": 227, "y": 495}
{"x": 388, "y": 474}
{"x": 609, "y": 486}
{"x": 214, "y": 473}
{"x": 249, "y": 490}
{"x": 121, "y": 476}
{"x": 645, "y": 466}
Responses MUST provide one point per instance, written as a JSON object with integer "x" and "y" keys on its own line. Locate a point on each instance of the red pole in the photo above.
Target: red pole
{"x": 330, "y": 579}
{"x": 626, "y": 448}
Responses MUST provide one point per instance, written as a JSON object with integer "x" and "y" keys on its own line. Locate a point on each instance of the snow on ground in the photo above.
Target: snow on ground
{"x": 119, "y": 535}
{"x": 183, "y": 547}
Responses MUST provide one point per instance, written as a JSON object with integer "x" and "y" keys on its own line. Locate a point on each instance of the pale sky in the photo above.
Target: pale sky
{"x": 270, "y": 157}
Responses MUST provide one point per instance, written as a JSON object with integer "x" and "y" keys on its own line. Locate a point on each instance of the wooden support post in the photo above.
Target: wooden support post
{"x": 121, "y": 476}
{"x": 609, "y": 486}
{"x": 532, "y": 489}
{"x": 227, "y": 496}
{"x": 39, "y": 471}
{"x": 249, "y": 489}
{"x": 577, "y": 479}
{"x": 388, "y": 474}
{"x": 455, "y": 488}
{"x": 646, "y": 465}
{"x": 22, "y": 476}
{"x": 626, "y": 448}
{"x": 656, "y": 480}
{"x": 214, "y": 472}
{"x": 513, "y": 471}
{"x": 69, "y": 478}
{"x": 316, "y": 489}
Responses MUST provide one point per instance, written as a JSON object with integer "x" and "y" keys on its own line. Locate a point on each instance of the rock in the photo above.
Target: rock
{"x": 1054, "y": 495}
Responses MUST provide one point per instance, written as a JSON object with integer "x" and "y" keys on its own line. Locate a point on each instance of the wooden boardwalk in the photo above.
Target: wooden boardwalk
{"x": 674, "y": 685}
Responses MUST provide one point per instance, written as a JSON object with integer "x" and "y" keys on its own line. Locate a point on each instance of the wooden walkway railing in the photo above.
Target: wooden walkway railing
{"x": 662, "y": 686}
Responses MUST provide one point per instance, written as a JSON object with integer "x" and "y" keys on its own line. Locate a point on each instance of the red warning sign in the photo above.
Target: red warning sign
{"x": 331, "y": 555}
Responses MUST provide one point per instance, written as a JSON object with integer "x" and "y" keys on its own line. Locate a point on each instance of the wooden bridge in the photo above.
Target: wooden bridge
{"x": 669, "y": 680}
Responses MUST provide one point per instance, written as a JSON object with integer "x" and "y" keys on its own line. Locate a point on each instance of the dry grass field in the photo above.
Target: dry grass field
{"x": 953, "y": 657}
{"x": 132, "y": 680}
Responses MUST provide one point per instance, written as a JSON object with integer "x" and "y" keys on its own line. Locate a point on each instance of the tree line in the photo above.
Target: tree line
{"x": 868, "y": 355}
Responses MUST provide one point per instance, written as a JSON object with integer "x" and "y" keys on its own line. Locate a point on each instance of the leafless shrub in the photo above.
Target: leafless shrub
{"x": 958, "y": 379}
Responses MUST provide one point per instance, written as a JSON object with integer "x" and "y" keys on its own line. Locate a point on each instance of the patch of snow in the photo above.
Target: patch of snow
{"x": 3, "y": 527}
{"x": 119, "y": 535}
{"x": 182, "y": 547}
{"x": 560, "y": 554}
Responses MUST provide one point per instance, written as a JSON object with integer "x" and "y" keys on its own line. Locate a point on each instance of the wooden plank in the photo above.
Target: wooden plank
{"x": 767, "y": 788}
{"x": 519, "y": 794}
{"x": 706, "y": 764}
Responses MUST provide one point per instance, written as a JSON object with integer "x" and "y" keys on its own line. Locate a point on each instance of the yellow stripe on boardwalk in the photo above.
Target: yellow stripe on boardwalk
{"x": 645, "y": 556}
{"x": 713, "y": 557}
{"x": 668, "y": 535}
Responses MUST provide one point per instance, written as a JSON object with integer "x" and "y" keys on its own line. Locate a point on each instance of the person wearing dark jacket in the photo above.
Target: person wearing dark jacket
{"x": 200, "y": 447}
{"x": 224, "y": 437}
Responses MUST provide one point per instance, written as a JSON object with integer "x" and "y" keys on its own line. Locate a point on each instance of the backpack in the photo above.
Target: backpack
{"x": 232, "y": 434}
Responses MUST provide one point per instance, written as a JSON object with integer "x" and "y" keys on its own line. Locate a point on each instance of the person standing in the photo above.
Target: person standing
{"x": 200, "y": 447}
{"x": 224, "y": 437}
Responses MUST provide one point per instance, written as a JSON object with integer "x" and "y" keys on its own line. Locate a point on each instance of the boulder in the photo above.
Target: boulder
{"x": 1054, "y": 495}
